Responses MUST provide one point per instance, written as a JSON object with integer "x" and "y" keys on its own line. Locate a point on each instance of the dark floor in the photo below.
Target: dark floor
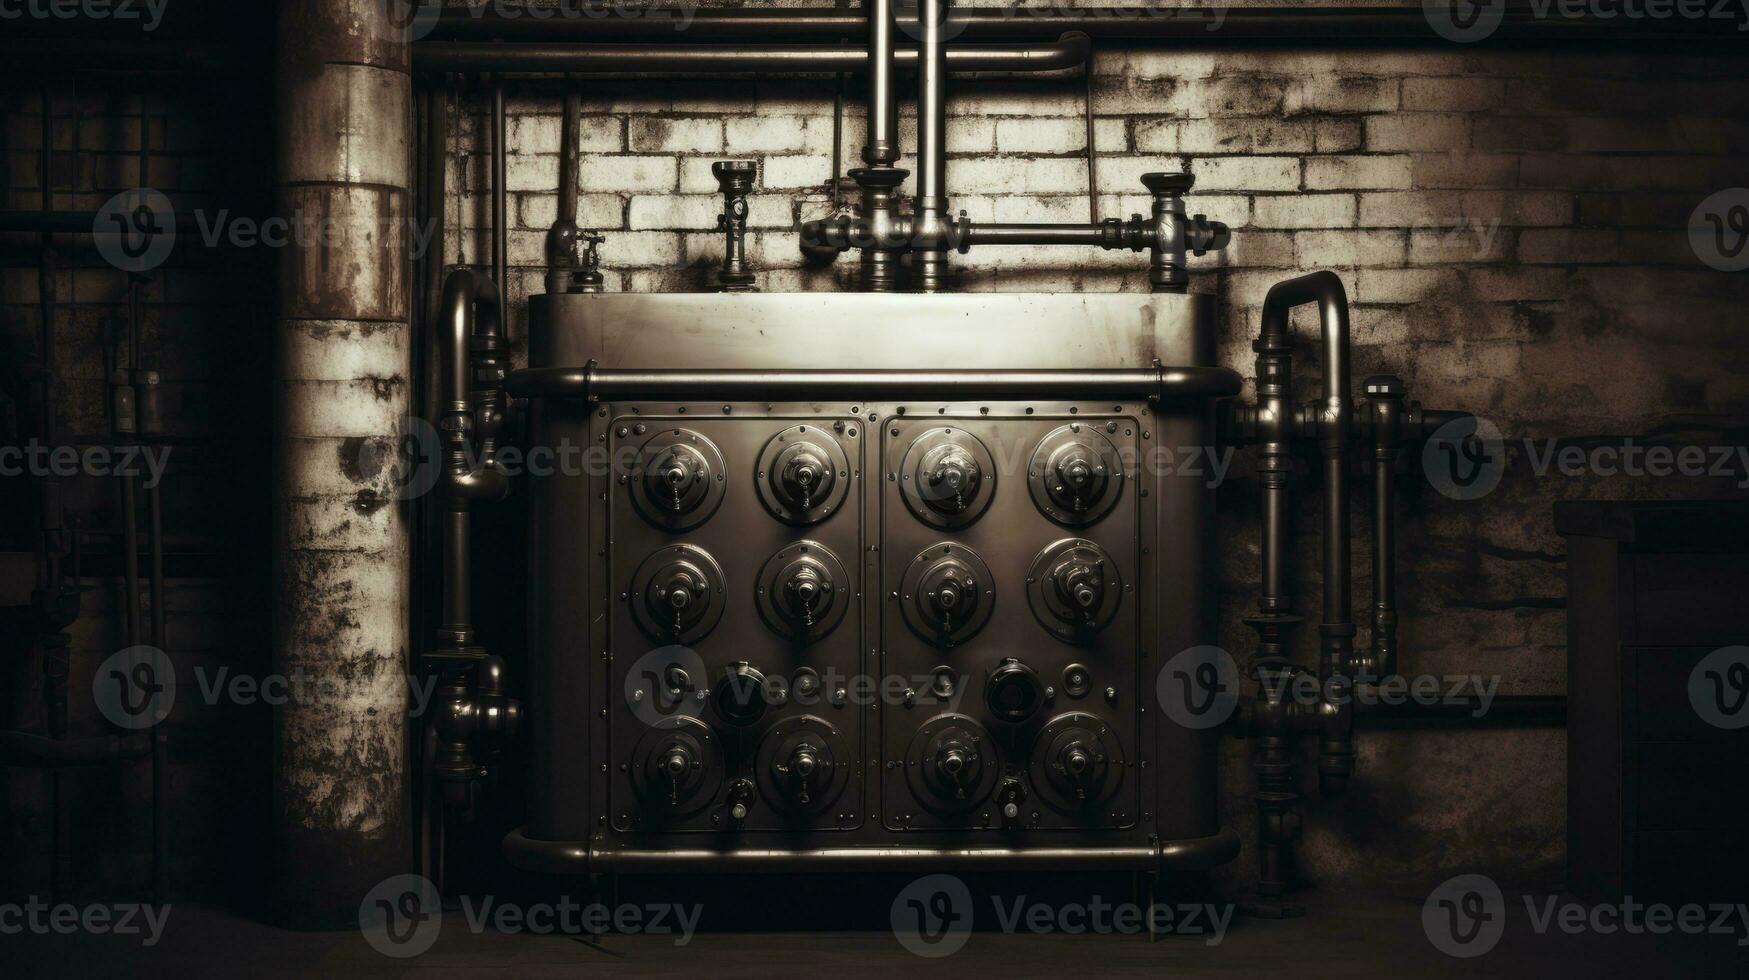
{"x": 1362, "y": 934}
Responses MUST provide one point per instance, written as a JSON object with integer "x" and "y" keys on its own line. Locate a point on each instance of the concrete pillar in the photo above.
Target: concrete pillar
{"x": 341, "y": 380}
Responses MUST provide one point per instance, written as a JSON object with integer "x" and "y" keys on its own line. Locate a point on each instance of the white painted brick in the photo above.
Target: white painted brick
{"x": 1304, "y": 211}
{"x": 971, "y": 134}
{"x": 1123, "y": 174}
{"x": 1357, "y": 173}
{"x": 531, "y": 173}
{"x": 1323, "y": 91}
{"x": 676, "y": 135}
{"x": 1401, "y": 285}
{"x": 765, "y": 134}
{"x": 805, "y": 170}
{"x": 1247, "y": 173}
{"x": 631, "y": 249}
{"x": 676, "y": 211}
{"x": 1111, "y": 135}
{"x": 1010, "y": 175}
{"x": 1157, "y": 135}
{"x": 696, "y": 176}
{"x": 1417, "y": 131}
{"x": 534, "y": 134}
{"x": 627, "y": 173}
{"x": 1026, "y": 208}
{"x": 1041, "y": 135}
{"x": 1350, "y": 249}
{"x": 770, "y": 211}
{"x": 1337, "y": 135}
{"x": 601, "y": 134}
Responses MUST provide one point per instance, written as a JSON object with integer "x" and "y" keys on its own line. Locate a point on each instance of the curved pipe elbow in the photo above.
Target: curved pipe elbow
{"x": 488, "y": 483}
{"x": 1067, "y": 51}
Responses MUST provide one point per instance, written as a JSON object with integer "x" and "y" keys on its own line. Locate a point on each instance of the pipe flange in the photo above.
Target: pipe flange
{"x": 952, "y": 765}
{"x": 947, "y": 477}
{"x": 1077, "y": 763}
{"x": 677, "y": 479}
{"x": 676, "y": 769}
{"x": 803, "y": 475}
{"x": 803, "y": 592}
{"x": 947, "y": 594}
{"x": 1076, "y": 475}
{"x": 677, "y": 594}
{"x": 1074, "y": 589}
{"x": 803, "y": 766}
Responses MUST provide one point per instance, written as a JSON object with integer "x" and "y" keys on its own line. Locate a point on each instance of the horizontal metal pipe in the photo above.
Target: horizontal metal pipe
{"x": 576, "y": 858}
{"x": 1067, "y": 51}
{"x": 608, "y": 384}
{"x": 982, "y": 233}
{"x": 1288, "y": 22}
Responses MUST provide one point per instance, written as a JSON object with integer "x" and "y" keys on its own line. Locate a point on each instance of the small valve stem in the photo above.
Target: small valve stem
{"x": 735, "y": 177}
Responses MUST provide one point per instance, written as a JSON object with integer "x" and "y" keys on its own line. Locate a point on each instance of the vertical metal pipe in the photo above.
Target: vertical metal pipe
{"x": 930, "y": 264}
{"x": 562, "y": 237}
{"x": 340, "y": 814}
{"x": 882, "y": 147}
{"x": 500, "y": 199}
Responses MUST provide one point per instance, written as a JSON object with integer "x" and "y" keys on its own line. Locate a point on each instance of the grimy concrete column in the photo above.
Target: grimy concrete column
{"x": 343, "y": 349}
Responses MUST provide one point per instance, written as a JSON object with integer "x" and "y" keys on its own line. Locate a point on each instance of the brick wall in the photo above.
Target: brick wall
{"x": 1511, "y": 229}
{"x": 1509, "y": 224}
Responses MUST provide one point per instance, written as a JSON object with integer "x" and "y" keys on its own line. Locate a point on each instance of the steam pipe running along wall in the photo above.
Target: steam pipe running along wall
{"x": 1291, "y": 23}
{"x": 1067, "y": 51}
{"x": 340, "y": 809}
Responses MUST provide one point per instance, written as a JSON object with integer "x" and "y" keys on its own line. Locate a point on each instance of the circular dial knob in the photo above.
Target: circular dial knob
{"x": 675, "y": 768}
{"x": 949, "y": 479}
{"x": 946, "y": 476}
{"x": 741, "y": 696}
{"x": 947, "y": 593}
{"x": 1080, "y": 584}
{"x": 1077, "y": 764}
{"x": 1076, "y": 473}
{"x": 803, "y": 474}
{"x": 805, "y": 770}
{"x": 1074, "y": 589}
{"x": 952, "y": 765}
{"x": 677, "y": 594}
{"x": 803, "y": 591}
{"x": 1014, "y": 692}
{"x": 801, "y": 764}
{"x": 677, "y": 481}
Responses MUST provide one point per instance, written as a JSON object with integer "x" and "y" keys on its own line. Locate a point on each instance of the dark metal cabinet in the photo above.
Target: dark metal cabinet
{"x": 1656, "y": 790}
